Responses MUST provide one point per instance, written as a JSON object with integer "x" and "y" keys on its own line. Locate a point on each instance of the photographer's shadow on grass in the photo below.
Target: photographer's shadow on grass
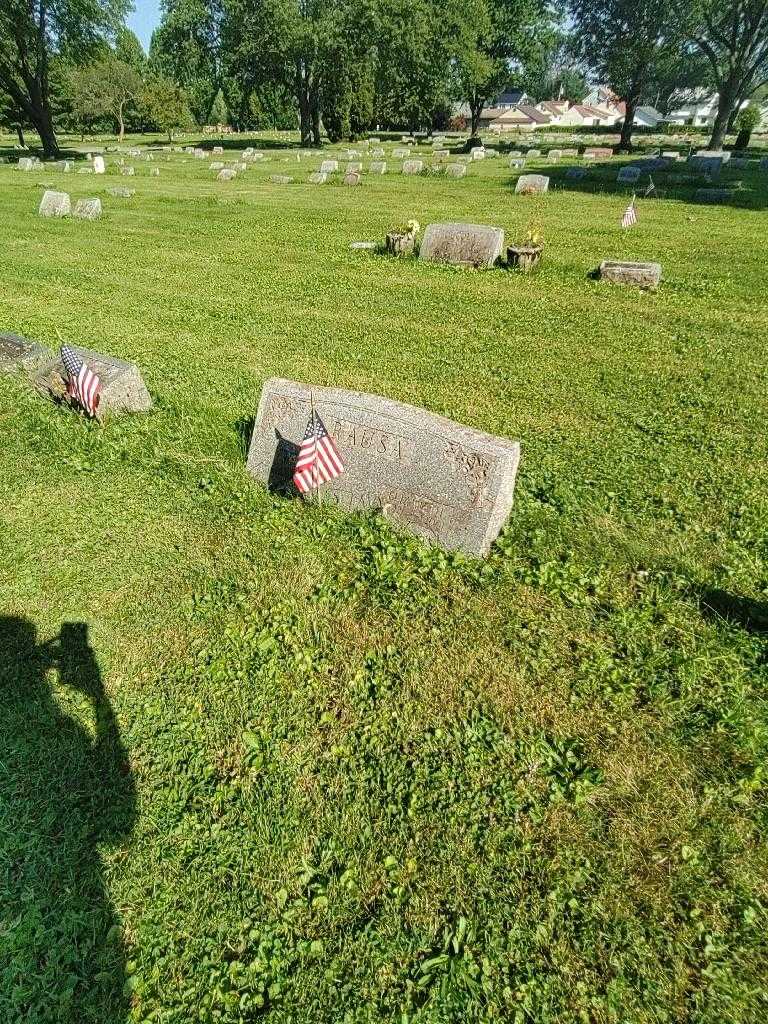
{"x": 66, "y": 792}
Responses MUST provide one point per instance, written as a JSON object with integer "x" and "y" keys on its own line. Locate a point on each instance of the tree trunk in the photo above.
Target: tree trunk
{"x": 726, "y": 103}
{"x": 475, "y": 110}
{"x": 120, "y": 124}
{"x": 315, "y": 114}
{"x": 305, "y": 114}
{"x": 42, "y": 120}
{"x": 20, "y": 133}
{"x": 625, "y": 143}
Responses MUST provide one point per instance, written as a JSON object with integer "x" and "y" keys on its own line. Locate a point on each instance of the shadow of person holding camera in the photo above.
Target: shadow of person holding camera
{"x": 66, "y": 791}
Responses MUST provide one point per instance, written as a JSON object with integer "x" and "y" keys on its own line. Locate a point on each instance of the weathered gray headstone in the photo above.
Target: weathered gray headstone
{"x": 529, "y": 183}
{"x": 710, "y": 164}
{"x": 462, "y": 245}
{"x": 517, "y": 163}
{"x": 354, "y": 166}
{"x": 363, "y": 246}
{"x": 441, "y": 154}
{"x": 88, "y": 209}
{"x": 218, "y": 149}
{"x": 456, "y": 170}
{"x": 477, "y": 153}
{"x": 226, "y": 174}
{"x": 216, "y": 165}
{"x": 713, "y": 195}
{"x": 122, "y": 193}
{"x": 98, "y": 165}
{"x": 533, "y": 154}
{"x": 377, "y": 154}
{"x": 379, "y": 167}
{"x": 352, "y": 178}
{"x": 413, "y": 166}
{"x": 671, "y": 154}
{"x": 449, "y": 483}
{"x": 27, "y": 163}
{"x": 17, "y": 353}
{"x": 329, "y": 166}
{"x": 64, "y": 165}
{"x": 628, "y": 175}
{"x": 318, "y": 178}
{"x": 55, "y": 204}
{"x": 554, "y": 155}
{"x": 398, "y": 154}
{"x": 128, "y": 170}
{"x": 569, "y": 152}
{"x": 122, "y": 387}
{"x": 598, "y": 153}
{"x": 641, "y": 275}
{"x": 280, "y": 179}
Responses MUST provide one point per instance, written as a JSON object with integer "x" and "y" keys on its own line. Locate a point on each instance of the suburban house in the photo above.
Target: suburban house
{"x": 524, "y": 116}
{"x": 595, "y": 117}
{"x": 509, "y": 99}
{"x": 699, "y": 110}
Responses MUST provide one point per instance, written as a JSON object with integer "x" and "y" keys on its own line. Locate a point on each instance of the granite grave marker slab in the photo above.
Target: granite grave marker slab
{"x": 329, "y": 166}
{"x": 530, "y": 183}
{"x": 462, "y": 245}
{"x": 88, "y": 209}
{"x": 448, "y": 483}
{"x": 55, "y": 204}
{"x": 17, "y": 353}
{"x": 122, "y": 387}
{"x": 641, "y": 275}
{"x": 456, "y": 170}
{"x": 413, "y": 166}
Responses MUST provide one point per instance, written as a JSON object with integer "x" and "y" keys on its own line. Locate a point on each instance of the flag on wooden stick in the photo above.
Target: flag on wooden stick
{"x": 83, "y": 385}
{"x": 319, "y": 460}
{"x": 630, "y": 215}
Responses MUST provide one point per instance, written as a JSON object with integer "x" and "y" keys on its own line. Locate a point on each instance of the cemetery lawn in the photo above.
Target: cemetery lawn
{"x": 300, "y": 767}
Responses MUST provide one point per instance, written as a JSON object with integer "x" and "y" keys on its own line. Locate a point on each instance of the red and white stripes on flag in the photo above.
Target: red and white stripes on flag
{"x": 319, "y": 459}
{"x": 83, "y": 385}
{"x": 630, "y": 215}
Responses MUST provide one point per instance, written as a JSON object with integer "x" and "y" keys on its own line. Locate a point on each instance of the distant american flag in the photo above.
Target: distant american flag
{"x": 651, "y": 187}
{"x": 630, "y": 215}
{"x": 319, "y": 459}
{"x": 83, "y": 384}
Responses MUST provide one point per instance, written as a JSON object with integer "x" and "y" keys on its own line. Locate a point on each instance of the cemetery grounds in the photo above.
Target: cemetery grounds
{"x": 301, "y": 766}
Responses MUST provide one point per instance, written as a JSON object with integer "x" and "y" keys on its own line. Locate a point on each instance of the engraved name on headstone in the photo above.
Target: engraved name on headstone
{"x": 449, "y": 483}
{"x": 463, "y": 245}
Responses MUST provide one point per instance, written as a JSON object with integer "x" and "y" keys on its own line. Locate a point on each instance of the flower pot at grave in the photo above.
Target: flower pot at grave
{"x": 400, "y": 245}
{"x": 524, "y": 257}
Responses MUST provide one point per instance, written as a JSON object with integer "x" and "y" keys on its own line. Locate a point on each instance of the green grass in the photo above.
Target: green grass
{"x": 300, "y": 767}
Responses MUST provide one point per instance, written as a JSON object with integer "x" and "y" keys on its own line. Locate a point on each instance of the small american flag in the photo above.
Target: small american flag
{"x": 319, "y": 459}
{"x": 83, "y": 384}
{"x": 630, "y": 215}
{"x": 651, "y": 187}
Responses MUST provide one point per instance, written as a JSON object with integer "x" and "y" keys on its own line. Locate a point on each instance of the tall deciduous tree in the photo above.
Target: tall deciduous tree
{"x": 496, "y": 36}
{"x": 165, "y": 105}
{"x": 733, "y": 36}
{"x": 621, "y": 40}
{"x": 187, "y": 49}
{"x": 107, "y": 86}
{"x": 32, "y": 33}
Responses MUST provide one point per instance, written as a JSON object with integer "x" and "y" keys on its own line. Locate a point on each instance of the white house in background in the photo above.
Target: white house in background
{"x": 602, "y": 97}
{"x": 555, "y": 109}
{"x": 593, "y": 117}
{"x": 700, "y": 110}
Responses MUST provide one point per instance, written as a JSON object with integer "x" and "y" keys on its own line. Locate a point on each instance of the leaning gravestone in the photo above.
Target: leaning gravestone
{"x": 413, "y": 166}
{"x": 98, "y": 165}
{"x": 628, "y": 176}
{"x": 318, "y": 178}
{"x": 641, "y": 275}
{"x": 329, "y": 166}
{"x": 456, "y": 170}
{"x": 527, "y": 184}
{"x": 17, "y": 353}
{"x": 55, "y": 204}
{"x": 88, "y": 209}
{"x": 462, "y": 245}
{"x": 449, "y": 483}
{"x": 122, "y": 387}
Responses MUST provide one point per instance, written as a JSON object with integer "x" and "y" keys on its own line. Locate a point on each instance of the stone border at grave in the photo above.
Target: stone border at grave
{"x": 640, "y": 275}
{"x": 450, "y": 483}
